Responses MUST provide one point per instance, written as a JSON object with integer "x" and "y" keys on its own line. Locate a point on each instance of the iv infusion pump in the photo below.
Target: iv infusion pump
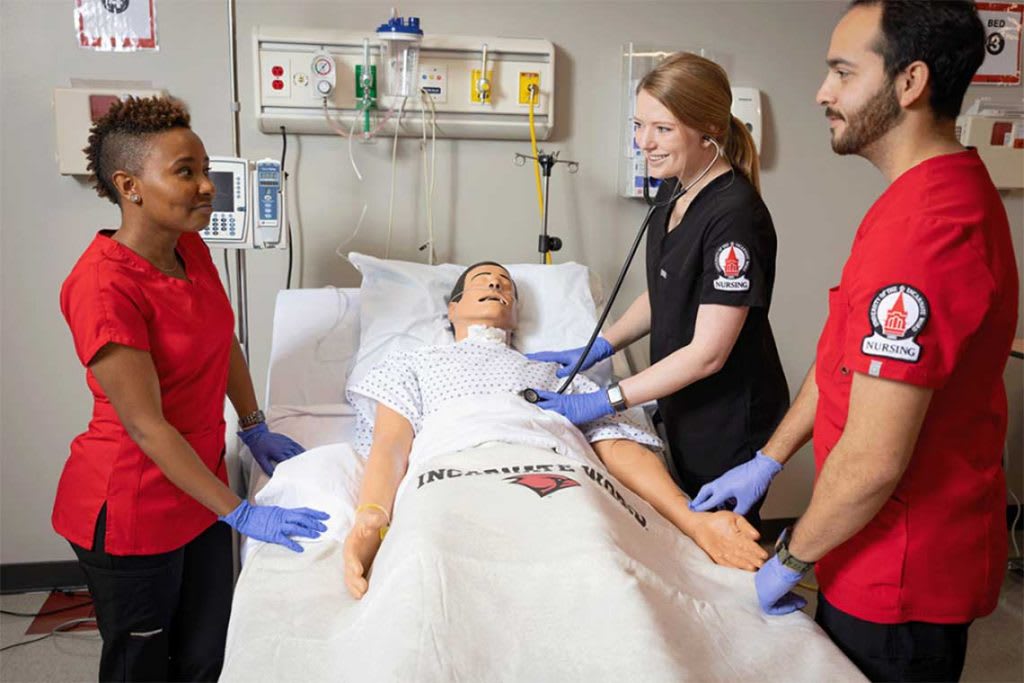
{"x": 248, "y": 205}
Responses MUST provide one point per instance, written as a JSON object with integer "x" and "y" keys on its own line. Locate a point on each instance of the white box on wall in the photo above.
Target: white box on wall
{"x": 75, "y": 109}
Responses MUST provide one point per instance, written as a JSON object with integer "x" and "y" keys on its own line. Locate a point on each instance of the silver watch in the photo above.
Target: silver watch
{"x": 616, "y": 398}
{"x": 251, "y": 420}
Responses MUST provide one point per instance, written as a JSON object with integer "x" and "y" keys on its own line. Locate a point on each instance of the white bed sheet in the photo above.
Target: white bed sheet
{"x": 314, "y": 342}
{"x": 479, "y": 579}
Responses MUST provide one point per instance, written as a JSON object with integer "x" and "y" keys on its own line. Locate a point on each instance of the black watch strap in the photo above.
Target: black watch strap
{"x": 786, "y": 558}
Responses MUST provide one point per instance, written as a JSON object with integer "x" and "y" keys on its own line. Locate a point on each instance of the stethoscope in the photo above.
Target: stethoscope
{"x": 530, "y": 395}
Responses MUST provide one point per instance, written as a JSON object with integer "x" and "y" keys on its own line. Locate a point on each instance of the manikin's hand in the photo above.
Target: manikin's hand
{"x": 361, "y": 546}
{"x": 729, "y": 540}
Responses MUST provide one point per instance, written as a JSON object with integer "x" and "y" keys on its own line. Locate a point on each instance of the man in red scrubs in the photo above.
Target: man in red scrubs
{"x": 905, "y": 400}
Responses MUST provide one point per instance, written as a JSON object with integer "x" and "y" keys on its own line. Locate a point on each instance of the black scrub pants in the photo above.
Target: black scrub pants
{"x": 162, "y": 617}
{"x": 912, "y": 651}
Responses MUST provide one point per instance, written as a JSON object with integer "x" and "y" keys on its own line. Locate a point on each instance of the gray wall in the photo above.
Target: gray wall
{"x": 485, "y": 206}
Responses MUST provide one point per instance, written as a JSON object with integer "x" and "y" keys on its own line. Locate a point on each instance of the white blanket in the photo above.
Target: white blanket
{"x": 506, "y": 563}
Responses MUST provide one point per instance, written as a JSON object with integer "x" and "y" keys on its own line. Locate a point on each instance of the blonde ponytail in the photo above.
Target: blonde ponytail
{"x": 697, "y": 92}
{"x": 741, "y": 152}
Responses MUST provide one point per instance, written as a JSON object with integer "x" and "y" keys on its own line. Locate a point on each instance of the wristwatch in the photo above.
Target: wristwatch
{"x": 786, "y": 558}
{"x": 616, "y": 398}
{"x": 251, "y": 420}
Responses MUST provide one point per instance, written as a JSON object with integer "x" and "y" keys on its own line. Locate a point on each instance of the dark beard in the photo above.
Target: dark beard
{"x": 865, "y": 126}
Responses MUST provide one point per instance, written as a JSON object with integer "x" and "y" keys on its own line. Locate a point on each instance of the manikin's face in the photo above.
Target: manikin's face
{"x": 672, "y": 149}
{"x": 488, "y": 298}
{"x": 176, "y": 190}
{"x": 860, "y": 101}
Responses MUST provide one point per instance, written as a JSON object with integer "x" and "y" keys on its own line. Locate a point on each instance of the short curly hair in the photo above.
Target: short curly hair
{"x": 118, "y": 141}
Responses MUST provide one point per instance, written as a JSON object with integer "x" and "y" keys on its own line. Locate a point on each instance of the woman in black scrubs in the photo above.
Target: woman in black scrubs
{"x": 715, "y": 369}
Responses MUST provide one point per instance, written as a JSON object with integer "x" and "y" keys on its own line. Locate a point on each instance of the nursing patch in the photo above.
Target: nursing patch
{"x": 897, "y": 315}
{"x": 731, "y": 262}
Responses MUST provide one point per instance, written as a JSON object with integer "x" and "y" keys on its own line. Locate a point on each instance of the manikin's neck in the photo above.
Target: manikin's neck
{"x": 481, "y": 330}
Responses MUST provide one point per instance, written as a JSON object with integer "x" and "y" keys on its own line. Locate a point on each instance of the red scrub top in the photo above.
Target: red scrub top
{"x": 928, "y": 296}
{"x": 113, "y": 295}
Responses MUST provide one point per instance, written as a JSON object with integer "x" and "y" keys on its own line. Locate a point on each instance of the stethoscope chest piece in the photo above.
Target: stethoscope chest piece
{"x": 530, "y": 395}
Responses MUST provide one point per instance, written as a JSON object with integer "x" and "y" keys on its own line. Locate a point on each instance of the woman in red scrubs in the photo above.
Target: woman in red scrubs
{"x": 144, "y": 486}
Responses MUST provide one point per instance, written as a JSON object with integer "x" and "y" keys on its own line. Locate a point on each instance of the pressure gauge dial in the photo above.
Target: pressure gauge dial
{"x": 324, "y": 74}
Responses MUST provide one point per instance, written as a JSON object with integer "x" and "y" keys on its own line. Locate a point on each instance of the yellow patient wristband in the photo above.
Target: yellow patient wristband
{"x": 387, "y": 516}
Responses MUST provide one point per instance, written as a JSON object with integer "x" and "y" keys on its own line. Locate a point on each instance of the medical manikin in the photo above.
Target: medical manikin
{"x": 407, "y": 387}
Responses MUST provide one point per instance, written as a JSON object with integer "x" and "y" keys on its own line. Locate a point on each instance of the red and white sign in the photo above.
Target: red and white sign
{"x": 116, "y": 25}
{"x": 1002, "y": 22}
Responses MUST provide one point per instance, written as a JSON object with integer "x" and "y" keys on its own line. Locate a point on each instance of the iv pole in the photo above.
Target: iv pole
{"x": 241, "y": 284}
{"x": 546, "y": 243}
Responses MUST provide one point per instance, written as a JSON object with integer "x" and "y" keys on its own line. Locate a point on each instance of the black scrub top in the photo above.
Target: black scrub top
{"x": 723, "y": 252}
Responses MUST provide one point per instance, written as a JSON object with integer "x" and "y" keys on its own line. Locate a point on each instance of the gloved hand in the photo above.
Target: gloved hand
{"x": 269, "y": 448}
{"x": 567, "y": 359}
{"x": 577, "y": 408}
{"x": 276, "y": 524}
{"x": 773, "y": 583}
{"x": 744, "y": 484}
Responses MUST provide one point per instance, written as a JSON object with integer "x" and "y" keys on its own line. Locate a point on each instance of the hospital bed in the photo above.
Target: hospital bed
{"x": 624, "y": 600}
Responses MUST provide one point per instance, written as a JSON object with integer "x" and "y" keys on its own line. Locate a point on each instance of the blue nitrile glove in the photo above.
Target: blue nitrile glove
{"x": 773, "y": 583}
{"x": 744, "y": 484}
{"x": 577, "y": 408}
{"x": 567, "y": 359}
{"x": 269, "y": 448}
{"x": 276, "y": 524}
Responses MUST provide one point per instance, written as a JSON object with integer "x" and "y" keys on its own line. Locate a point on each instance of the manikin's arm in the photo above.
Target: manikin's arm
{"x": 385, "y": 467}
{"x": 725, "y": 536}
{"x": 715, "y": 333}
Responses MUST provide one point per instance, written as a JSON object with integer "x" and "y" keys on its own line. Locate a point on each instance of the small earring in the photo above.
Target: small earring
{"x": 134, "y": 198}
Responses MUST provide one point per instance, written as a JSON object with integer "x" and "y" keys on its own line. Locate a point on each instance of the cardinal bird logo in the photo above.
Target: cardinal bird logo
{"x": 543, "y": 484}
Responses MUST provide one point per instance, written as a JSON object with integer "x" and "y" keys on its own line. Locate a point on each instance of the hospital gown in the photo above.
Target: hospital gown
{"x": 416, "y": 384}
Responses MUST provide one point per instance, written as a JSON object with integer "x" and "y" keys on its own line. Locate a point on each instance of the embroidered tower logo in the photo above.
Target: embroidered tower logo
{"x": 731, "y": 261}
{"x": 897, "y": 315}
{"x": 896, "y": 318}
{"x": 543, "y": 484}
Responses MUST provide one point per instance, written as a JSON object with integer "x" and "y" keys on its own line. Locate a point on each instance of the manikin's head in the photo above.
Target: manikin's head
{"x": 484, "y": 294}
{"x": 897, "y": 61}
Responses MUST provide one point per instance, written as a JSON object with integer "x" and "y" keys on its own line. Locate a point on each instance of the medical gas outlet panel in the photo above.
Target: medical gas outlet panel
{"x": 312, "y": 81}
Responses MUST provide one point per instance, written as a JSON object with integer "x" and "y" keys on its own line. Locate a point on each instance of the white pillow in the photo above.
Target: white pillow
{"x": 404, "y": 306}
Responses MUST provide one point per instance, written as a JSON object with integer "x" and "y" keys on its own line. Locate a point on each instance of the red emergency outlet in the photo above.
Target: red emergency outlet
{"x": 278, "y": 71}
{"x": 277, "y": 84}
